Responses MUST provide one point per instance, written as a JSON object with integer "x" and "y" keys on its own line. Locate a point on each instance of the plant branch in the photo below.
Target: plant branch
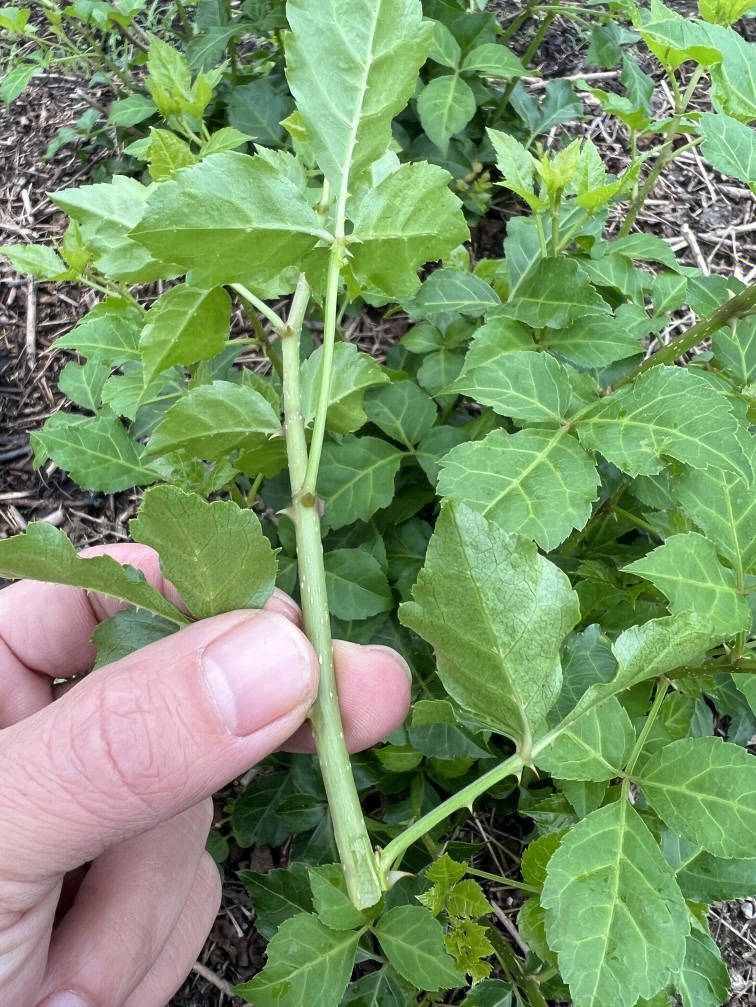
{"x": 531, "y": 51}
{"x": 355, "y": 849}
{"x": 740, "y": 305}
{"x": 279, "y": 325}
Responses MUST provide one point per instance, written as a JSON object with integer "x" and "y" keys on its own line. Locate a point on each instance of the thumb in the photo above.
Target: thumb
{"x": 148, "y": 737}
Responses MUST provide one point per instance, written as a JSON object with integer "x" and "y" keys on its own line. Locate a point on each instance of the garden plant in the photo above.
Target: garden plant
{"x": 548, "y": 513}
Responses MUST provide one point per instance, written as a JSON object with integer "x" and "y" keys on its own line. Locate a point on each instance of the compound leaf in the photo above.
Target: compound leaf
{"x": 214, "y": 554}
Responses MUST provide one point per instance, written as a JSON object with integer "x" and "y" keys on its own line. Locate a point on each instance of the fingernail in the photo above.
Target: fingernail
{"x": 395, "y": 657}
{"x": 259, "y": 671}
{"x": 64, "y": 999}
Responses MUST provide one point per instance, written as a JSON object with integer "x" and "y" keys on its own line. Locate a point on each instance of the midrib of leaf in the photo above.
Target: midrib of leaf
{"x": 141, "y": 469}
{"x": 615, "y": 892}
{"x": 350, "y": 483}
{"x": 699, "y": 798}
{"x": 594, "y": 753}
{"x": 542, "y": 456}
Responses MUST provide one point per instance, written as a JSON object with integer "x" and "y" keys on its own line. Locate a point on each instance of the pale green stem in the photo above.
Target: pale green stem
{"x": 661, "y": 692}
{"x": 279, "y": 325}
{"x": 364, "y": 883}
{"x": 532, "y": 50}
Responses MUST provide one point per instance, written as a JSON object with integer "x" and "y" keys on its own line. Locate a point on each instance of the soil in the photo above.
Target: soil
{"x": 707, "y": 219}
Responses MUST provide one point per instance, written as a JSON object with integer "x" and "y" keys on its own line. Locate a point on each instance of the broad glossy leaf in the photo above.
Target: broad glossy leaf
{"x": 730, "y": 146}
{"x": 254, "y": 225}
{"x": 412, "y": 940}
{"x": 529, "y": 387}
{"x": 495, "y": 613}
{"x": 489, "y": 993}
{"x": 214, "y": 554}
{"x": 705, "y": 789}
{"x": 356, "y": 478}
{"x": 596, "y": 338}
{"x": 331, "y": 899}
{"x": 45, "y": 553}
{"x": 352, "y": 66}
{"x": 539, "y": 483}
{"x": 109, "y": 334}
{"x": 213, "y": 419}
{"x": 411, "y": 217}
{"x": 106, "y": 212}
{"x": 667, "y": 412}
{"x": 126, "y": 393}
{"x": 39, "y": 261}
{"x": 687, "y": 570}
{"x": 402, "y": 411}
{"x": 308, "y": 963}
{"x": 127, "y": 631}
{"x": 445, "y": 106}
{"x": 595, "y": 748}
{"x": 352, "y": 374}
{"x": 357, "y": 586}
{"x": 184, "y": 325}
{"x": 277, "y": 896}
{"x": 83, "y": 383}
{"x": 444, "y": 48}
{"x": 95, "y": 450}
{"x": 614, "y": 913}
{"x": 449, "y": 290}
{"x": 377, "y": 989}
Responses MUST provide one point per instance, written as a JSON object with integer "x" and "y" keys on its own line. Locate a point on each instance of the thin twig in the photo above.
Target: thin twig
{"x": 209, "y": 976}
{"x": 31, "y": 322}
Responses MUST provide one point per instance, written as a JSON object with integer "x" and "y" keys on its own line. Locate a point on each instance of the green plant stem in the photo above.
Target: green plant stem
{"x": 464, "y": 798}
{"x": 111, "y": 291}
{"x": 184, "y": 19}
{"x": 355, "y": 849}
{"x": 739, "y": 306}
{"x": 335, "y": 261}
{"x": 518, "y": 22}
{"x": 278, "y": 324}
{"x": 511, "y": 963}
{"x": 499, "y": 880}
{"x": 661, "y": 693}
{"x": 531, "y": 51}
{"x": 666, "y": 154}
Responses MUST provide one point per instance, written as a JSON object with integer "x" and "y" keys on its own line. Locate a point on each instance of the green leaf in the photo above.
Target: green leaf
{"x": 614, "y": 914}
{"x": 226, "y": 138}
{"x": 257, "y": 109}
{"x": 517, "y": 166}
{"x": 445, "y": 106}
{"x": 167, "y": 154}
{"x": 595, "y": 748}
{"x": 661, "y": 645}
{"x": 277, "y": 896}
{"x": 106, "y": 212}
{"x": 45, "y": 553}
{"x": 495, "y": 613}
{"x": 308, "y": 963}
{"x": 212, "y": 420}
{"x": 688, "y": 572}
{"x": 96, "y": 451}
{"x": 729, "y": 146}
{"x": 127, "y": 393}
{"x": 183, "y": 326}
{"x": 332, "y": 903}
{"x": 39, "y": 261}
{"x": 412, "y": 940}
{"x": 735, "y": 349}
{"x": 469, "y": 946}
{"x": 127, "y": 631}
{"x": 352, "y": 66}
{"x": 704, "y": 878}
{"x": 109, "y": 334}
{"x": 489, "y": 993}
{"x": 357, "y": 586}
{"x": 356, "y": 478}
{"x": 449, "y": 290}
{"x": 402, "y": 411}
{"x": 83, "y": 383}
{"x": 704, "y": 980}
{"x": 493, "y": 60}
{"x": 536, "y": 482}
{"x": 16, "y": 79}
{"x": 587, "y": 660}
{"x": 214, "y": 554}
{"x": 537, "y": 855}
{"x": 411, "y": 217}
{"x": 353, "y": 373}
{"x": 466, "y": 899}
{"x": 554, "y": 293}
{"x": 667, "y": 412}
{"x": 529, "y": 387}
{"x": 255, "y": 223}
{"x": 131, "y": 111}
{"x": 436, "y": 732}
{"x": 705, "y": 789}
{"x": 444, "y": 48}
{"x": 596, "y": 339}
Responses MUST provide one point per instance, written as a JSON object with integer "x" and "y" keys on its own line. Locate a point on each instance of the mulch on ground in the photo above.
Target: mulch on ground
{"x": 708, "y": 220}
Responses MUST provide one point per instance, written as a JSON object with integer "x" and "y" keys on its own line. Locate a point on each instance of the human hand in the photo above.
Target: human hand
{"x": 117, "y": 773}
